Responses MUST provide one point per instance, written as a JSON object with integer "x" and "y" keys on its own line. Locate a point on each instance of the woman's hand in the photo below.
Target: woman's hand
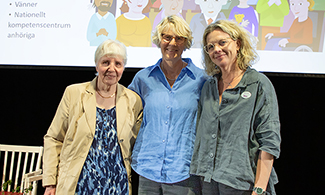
{"x": 50, "y": 190}
{"x": 283, "y": 42}
{"x": 269, "y": 35}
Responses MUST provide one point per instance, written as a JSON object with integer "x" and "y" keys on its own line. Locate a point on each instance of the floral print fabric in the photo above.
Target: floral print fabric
{"x": 103, "y": 172}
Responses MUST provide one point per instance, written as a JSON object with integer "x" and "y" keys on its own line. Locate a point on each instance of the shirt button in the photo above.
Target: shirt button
{"x": 166, "y": 122}
{"x": 214, "y": 136}
{"x": 163, "y": 141}
{"x": 211, "y": 155}
{"x": 167, "y": 107}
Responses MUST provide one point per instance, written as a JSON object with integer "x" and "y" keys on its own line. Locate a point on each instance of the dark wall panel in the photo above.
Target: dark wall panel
{"x": 30, "y": 96}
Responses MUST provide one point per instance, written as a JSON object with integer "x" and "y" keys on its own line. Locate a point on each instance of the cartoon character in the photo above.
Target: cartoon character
{"x": 133, "y": 27}
{"x": 102, "y": 25}
{"x": 168, "y": 8}
{"x": 301, "y": 30}
{"x": 210, "y": 12}
{"x": 245, "y": 15}
{"x": 272, "y": 14}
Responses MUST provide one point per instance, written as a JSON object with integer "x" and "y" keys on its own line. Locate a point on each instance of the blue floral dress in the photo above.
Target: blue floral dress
{"x": 104, "y": 172}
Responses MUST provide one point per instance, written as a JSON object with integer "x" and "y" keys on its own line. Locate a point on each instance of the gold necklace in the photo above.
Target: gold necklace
{"x": 105, "y": 97}
{"x": 184, "y": 64}
{"x": 170, "y": 79}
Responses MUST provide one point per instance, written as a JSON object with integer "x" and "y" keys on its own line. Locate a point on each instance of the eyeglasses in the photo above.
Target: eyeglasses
{"x": 168, "y": 38}
{"x": 209, "y": 48}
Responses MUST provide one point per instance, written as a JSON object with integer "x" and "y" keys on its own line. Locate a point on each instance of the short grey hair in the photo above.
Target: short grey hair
{"x": 111, "y": 48}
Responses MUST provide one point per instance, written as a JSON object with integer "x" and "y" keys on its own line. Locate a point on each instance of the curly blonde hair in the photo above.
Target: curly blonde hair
{"x": 178, "y": 25}
{"x": 312, "y": 3}
{"x": 246, "y": 55}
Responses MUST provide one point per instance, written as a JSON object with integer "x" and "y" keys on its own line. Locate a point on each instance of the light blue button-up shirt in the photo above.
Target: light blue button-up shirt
{"x": 164, "y": 146}
{"x": 98, "y": 22}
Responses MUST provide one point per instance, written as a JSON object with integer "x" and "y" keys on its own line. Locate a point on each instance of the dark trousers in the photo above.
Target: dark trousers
{"x": 215, "y": 188}
{"x": 191, "y": 186}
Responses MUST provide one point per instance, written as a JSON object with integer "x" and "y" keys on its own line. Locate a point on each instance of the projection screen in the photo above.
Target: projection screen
{"x": 290, "y": 33}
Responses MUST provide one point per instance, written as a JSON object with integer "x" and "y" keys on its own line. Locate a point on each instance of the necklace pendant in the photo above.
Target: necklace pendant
{"x": 104, "y": 96}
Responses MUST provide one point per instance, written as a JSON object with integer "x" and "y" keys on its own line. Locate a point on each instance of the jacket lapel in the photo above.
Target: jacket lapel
{"x": 121, "y": 106}
{"x": 202, "y": 21}
{"x": 89, "y": 105}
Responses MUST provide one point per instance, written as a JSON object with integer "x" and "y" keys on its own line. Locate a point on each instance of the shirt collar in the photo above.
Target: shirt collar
{"x": 100, "y": 17}
{"x": 207, "y": 18}
{"x": 249, "y": 77}
{"x": 189, "y": 68}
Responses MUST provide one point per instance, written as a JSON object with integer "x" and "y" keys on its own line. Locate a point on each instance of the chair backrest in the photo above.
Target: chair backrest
{"x": 17, "y": 161}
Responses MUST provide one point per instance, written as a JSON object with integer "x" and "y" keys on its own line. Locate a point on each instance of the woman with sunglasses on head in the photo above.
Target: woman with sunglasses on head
{"x": 170, "y": 91}
{"x": 238, "y": 128}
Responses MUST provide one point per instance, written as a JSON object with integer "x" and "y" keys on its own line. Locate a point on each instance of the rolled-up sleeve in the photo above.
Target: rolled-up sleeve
{"x": 267, "y": 121}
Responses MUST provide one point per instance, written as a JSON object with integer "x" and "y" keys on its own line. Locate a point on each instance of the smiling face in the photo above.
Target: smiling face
{"x": 172, "y": 7}
{"x": 136, "y": 6}
{"x": 225, "y": 56}
{"x": 171, "y": 51}
{"x": 211, "y": 8}
{"x": 110, "y": 70}
{"x": 103, "y": 5}
{"x": 299, "y": 7}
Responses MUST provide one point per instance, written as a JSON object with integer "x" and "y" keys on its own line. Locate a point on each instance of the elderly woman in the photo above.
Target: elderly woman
{"x": 170, "y": 90}
{"x": 87, "y": 148}
{"x": 238, "y": 128}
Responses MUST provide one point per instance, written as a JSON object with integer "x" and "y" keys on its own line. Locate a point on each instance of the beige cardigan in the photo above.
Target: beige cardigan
{"x": 68, "y": 139}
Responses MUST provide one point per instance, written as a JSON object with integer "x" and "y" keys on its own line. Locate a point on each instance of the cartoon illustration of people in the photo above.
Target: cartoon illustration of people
{"x": 102, "y": 25}
{"x": 210, "y": 12}
{"x": 301, "y": 30}
{"x": 245, "y": 15}
{"x": 168, "y": 8}
{"x": 133, "y": 27}
{"x": 156, "y": 4}
{"x": 189, "y": 6}
{"x": 272, "y": 14}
